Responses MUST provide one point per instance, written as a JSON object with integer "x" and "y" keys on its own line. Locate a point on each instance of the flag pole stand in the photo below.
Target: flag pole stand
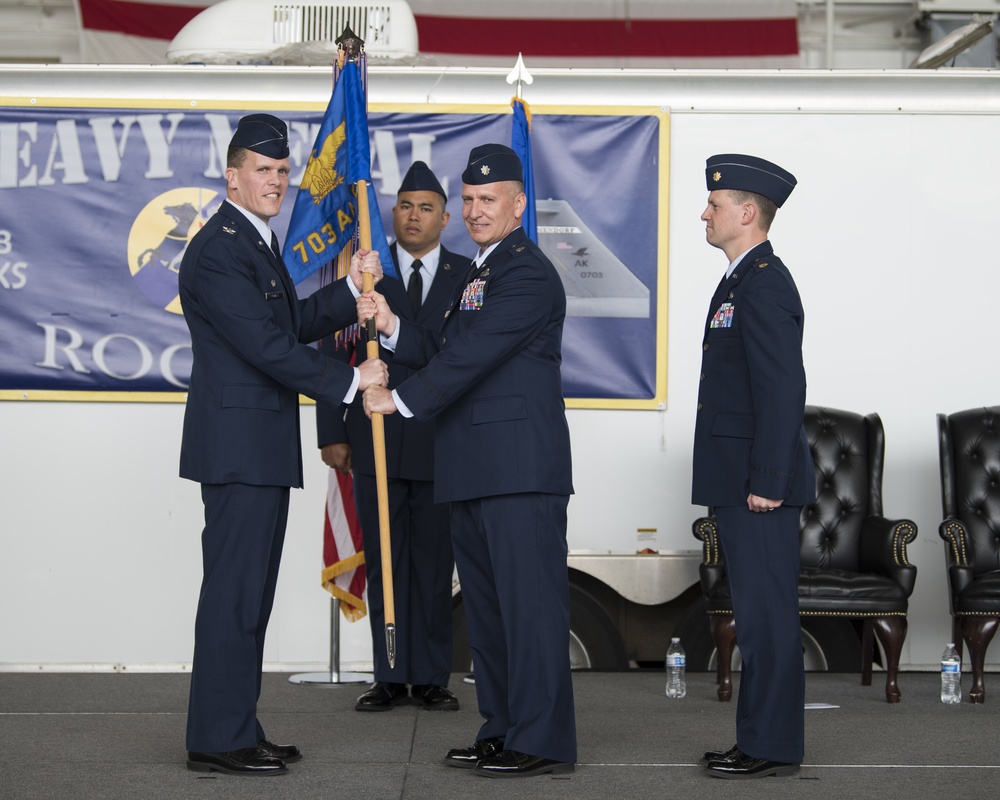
{"x": 334, "y": 677}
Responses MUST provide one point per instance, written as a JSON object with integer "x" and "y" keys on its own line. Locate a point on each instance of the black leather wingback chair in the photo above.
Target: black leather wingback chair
{"x": 853, "y": 559}
{"x": 969, "y": 443}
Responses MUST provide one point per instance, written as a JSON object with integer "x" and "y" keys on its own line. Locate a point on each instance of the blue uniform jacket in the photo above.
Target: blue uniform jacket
{"x": 749, "y": 437}
{"x": 249, "y": 334}
{"x": 409, "y": 444}
{"x": 492, "y": 379}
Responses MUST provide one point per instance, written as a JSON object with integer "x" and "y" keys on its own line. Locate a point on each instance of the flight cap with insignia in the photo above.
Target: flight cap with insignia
{"x": 749, "y": 174}
{"x": 263, "y": 134}
{"x": 419, "y": 178}
{"x": 492, "y": 163}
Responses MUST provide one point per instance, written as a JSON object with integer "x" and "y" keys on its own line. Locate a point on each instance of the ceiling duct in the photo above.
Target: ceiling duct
{"x": 299, "y": 33}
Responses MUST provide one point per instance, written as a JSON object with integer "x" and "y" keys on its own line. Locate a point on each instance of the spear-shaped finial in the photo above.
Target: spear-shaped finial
{"x": 519, "y": 75}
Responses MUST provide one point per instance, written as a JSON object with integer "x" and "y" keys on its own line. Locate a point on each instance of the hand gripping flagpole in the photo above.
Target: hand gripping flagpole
{"x": 352, "y": 48}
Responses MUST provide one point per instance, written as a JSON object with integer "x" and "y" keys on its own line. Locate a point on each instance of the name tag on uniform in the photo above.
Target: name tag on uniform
{"x": 472, "y": 297}
{"x": 723, "y": 317}
{"x": 273, "y": 295}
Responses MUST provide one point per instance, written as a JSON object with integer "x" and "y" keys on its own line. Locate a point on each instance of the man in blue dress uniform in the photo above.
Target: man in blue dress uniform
{"x": 751, "y": 459}
{"x": 489, "y": 377}
{"x": 241, "y": 441}
{"x": 422, "y": 557}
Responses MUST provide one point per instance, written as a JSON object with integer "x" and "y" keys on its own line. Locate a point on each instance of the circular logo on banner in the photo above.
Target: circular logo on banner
{"x": 159, "y": 237}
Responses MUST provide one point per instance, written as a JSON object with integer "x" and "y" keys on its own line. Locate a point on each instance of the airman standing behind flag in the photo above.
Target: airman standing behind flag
{"x": 421, "y": 540}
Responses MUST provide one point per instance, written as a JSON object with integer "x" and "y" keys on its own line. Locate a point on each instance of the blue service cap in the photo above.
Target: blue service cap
{"x": 419, "y": 178}
{"x": 262, "y": 133}
{"x": 749, "y": 174}
{"x": 491, "y": 163}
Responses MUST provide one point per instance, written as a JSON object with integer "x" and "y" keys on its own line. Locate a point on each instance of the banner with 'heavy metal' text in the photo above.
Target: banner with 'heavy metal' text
{"x": 98, "y": 205}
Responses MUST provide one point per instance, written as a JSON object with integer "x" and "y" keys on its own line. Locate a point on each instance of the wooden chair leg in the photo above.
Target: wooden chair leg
{"x": 891, "y": 632}
{"x": 867, "y": 651}
{"x": 724, "y": 633}
{"x": 978, "y": 633}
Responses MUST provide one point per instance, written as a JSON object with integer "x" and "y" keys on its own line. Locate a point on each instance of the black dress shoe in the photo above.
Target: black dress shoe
{"x": 383, "y": 697}
{"x": 719, "y": 755}
{"x": 286, "y": 752}
{"x": 512, "y": 764}
{"x": 248, "y": 761}
{"x": 743, "y": 766}
{"x": 436, "y": 698}
{"x": 468, "y": 757}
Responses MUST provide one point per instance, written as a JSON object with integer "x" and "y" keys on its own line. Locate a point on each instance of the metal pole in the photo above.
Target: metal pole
{"x": 334, "y": 677}
{"x": 829, "y": 34}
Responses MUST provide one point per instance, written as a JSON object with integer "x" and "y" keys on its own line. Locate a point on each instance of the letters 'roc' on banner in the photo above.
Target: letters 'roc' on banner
{"x": 325, "y": 215}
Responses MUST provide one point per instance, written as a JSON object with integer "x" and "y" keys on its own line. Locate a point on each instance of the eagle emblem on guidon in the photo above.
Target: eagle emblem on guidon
{"x": 320, "y": 177}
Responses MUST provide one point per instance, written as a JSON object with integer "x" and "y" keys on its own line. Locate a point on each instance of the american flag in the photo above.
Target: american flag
{"x": 674, "y": 34}
{"x": 343, "y": 549}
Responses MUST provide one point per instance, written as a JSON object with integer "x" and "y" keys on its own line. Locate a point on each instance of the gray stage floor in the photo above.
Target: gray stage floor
{"x": 110, "y": 736}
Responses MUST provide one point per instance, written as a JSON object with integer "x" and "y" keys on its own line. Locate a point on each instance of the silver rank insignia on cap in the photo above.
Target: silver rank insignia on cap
{"x": 484, "y": 169}
{"x": 716, "y": 176}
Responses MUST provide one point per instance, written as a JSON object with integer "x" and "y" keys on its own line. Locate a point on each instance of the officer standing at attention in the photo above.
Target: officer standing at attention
{"x": 250, "y": 335}
{"x": 422, "y": 557}
{"x": 489, "y": 378}
{"x": 752, "y": 462}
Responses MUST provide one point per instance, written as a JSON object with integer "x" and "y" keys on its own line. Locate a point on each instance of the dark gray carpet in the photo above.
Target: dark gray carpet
{"x": 116, "y": 736}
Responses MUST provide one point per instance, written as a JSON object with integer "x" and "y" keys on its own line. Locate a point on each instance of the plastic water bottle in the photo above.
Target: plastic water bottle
{"x": 676, "y": 661}
{"x": 951, "y": 675}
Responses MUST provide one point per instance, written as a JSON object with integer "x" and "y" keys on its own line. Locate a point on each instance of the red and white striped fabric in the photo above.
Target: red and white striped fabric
{"x": 343, "y": 548}
{"x": 132, "y": 31}
{"x": 565, "y": 33}
{"x": 611, "y": 33}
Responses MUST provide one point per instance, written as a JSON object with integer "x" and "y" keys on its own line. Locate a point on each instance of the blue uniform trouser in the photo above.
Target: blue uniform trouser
{"x": 762, "y": 562}
{"x": 422, "y": 568}
{"x": 511, "y": 556}
{"x": 241, "y": 550}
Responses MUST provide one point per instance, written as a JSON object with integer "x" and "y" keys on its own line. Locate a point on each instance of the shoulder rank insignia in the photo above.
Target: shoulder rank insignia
{"x": 761, "y": 265}
{"x": 519, "y": 248}
{"x": 230, "y": 231}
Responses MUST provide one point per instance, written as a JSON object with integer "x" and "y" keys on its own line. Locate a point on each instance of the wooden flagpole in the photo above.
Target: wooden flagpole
{"x": 378, "y": 443}
{"x": 351, "y": 48}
